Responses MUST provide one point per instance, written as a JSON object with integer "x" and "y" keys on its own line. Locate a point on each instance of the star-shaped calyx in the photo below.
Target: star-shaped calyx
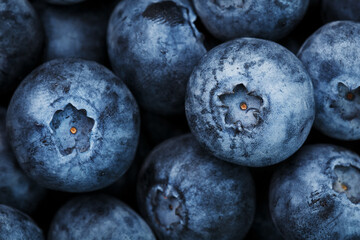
{"x": 72, "y": 129}
{"x": 242, "y": 108}
{"x": 348, "y": 178}
{"x": 348, "y": 102}
{"x": 167, "y": 208}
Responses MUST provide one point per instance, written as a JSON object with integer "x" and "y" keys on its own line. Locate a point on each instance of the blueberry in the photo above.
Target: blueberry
{"x": 73, "y": 125}
{"x": 21, "y": 40}
{"x": 153, "y": 46}
{"x": 331, "y": 57}
{"x": 17, "y": 225}
{"x": 98, "y": 217}
{"x": 316, "y": 195}
{"x": 186, "y": 193}
{"x": 75, "y": 31}
{"x": 250, "y": 102}
{"x": 230, "y": 19}
{"x": 340, "y": 10}
{"x": 16, "y": 189}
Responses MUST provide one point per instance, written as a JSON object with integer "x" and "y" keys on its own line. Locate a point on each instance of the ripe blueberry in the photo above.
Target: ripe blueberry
{"x": 316, "y": 194}
{"x": 153, "y": 46}
{"x": 331, "y": 57}
{"x": 186, "y": 193}
{"x": 73, "y": 125}
{"x": 98, "y": 217}
{"x": 250, "y": 102}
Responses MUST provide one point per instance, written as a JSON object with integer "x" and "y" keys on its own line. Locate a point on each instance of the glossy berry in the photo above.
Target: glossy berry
{"x": 269, "y": 19}
{"x": 250, "y": 102}
{"x": 185, "y": 193}
{"x": 73, "y": 125}
{"x": 316, "y": 194}
{"x": 17, "y": 225}
{"x": 331, "y": 57}
{"x": 98, "y": 217}
{"x": 153, "y": 46}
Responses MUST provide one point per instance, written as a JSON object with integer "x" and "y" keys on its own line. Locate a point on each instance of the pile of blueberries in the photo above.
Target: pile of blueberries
{"x": 179, "y": 119}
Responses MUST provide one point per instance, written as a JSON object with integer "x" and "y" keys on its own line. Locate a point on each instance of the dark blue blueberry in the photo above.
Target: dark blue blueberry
{"x": 75, "y": 31}
{"x": 250, "y": 102}
{"x": 98, "y": 217}
{"x": 316, "y": 194}
{"x": 21, "y": 40}
{"x": 186, "y": 193}
{"x": 73, "y": 125}
{"x": 153, "y": 46}
{"x": 16, "y": 189}
{"x": 331, "y": 57}
{"x": 16, "y": 225}
{"x": 333, "y": 10}
{"x": 230, "y": 19}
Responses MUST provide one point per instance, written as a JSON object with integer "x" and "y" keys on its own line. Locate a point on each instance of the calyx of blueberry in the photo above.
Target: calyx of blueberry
{"x": 347, "y": 93}
{"x": 167, "y": 208}
{"x": 242, "y": 108}
{"x": 347, "y": 96}
{"x": 72, "y": 129}
{"x": 348, "y": 179}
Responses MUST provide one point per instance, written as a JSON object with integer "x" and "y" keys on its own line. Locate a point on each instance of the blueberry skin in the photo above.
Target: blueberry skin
{"x": 266, "y": 19}
{"x": 17, "y": 225}
{"x": 21, "y": 40}
{"x": 185, "y": 193}
{"x": 75, "y": 31}
{"x": 73, "y": 125}
{"x": 153, "y": 46}
{"x": 16, "y": 189}
{"x": 64, "y": 2}
{"x": 316, "y": 195}
{"x": 98, "y": 217}
{"x": 333, "y": 10}
{"x": 250, "y": 102}
{"x": 331, "y": 57}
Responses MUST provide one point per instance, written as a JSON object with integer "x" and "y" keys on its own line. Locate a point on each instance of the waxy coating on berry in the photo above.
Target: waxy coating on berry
{"x": 243, "y": 103}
